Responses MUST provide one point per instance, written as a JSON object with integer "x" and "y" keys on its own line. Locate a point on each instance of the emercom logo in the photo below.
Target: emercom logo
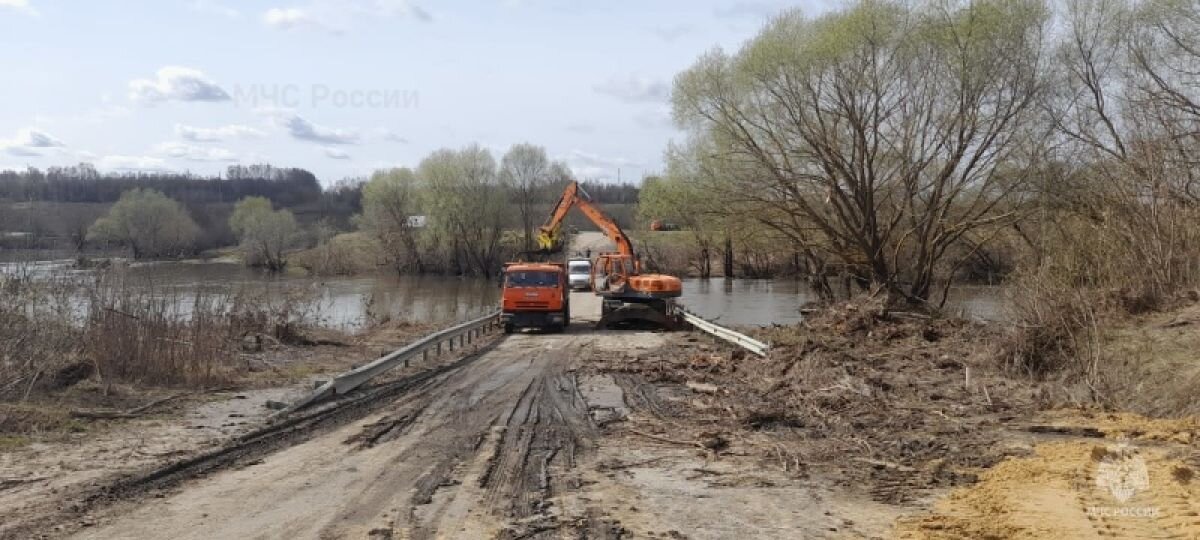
{"x": 1122, "y": 472}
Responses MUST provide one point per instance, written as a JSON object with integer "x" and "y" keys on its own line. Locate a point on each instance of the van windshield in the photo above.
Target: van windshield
{"x": 531, "y": 278}
{"x": 581, "y": 267}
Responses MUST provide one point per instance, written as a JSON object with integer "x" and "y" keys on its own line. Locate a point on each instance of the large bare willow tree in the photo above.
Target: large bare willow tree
{"x": 879, "y": 135}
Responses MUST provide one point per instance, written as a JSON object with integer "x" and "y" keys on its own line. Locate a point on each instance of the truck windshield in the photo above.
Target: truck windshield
{"x": 522, "y": 278}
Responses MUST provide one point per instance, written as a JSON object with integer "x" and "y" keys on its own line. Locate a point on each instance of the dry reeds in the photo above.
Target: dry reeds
{"x": 56, "y": 329}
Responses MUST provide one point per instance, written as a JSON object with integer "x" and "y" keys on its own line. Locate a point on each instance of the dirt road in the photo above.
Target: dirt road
{"x": 471, "y": 453}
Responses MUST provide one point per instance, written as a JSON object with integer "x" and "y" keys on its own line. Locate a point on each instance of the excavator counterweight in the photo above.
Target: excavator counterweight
{"x": 629, "y": 296}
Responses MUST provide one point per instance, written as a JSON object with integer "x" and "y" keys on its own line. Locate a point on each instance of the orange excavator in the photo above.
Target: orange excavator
{"x": 629, "y": 296}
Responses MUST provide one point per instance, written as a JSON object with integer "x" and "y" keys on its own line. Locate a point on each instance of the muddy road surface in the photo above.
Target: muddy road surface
{"x": 479, "y": 451}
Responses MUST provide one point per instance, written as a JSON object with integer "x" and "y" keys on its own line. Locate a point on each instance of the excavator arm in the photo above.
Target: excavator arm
{"x": 549, "y": 234}
{"x": 628, "y": 295}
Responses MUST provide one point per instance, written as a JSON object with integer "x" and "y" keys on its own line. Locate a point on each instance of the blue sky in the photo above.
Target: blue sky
{"x": 346, "y": 87}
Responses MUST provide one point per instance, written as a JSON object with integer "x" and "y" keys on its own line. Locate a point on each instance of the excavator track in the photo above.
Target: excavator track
{"x": 655, "y": 314}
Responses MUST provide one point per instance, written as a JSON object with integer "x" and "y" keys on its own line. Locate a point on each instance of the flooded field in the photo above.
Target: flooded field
{"x": 348, "y": 302}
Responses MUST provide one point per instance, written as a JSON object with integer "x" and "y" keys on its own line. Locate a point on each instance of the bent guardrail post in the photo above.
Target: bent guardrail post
{"x": 354, "y": 378}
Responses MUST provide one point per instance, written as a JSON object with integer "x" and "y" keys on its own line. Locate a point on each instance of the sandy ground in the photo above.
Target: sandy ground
{"x": 1126, "y": 482}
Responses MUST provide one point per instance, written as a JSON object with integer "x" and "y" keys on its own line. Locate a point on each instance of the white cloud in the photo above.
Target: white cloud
{"x": 178, "y": 84}
{"x": 289, "y": 18}
{"x": 131, "y": 163}
{"x": 635, "y": 89}
{"x": 195, "y": 153}
{"x": 30, "y": 142}
{"x": 307, "y": 131}
{"x": 21, "y": 6}
{"x": 214, "y": 8}
{"x": 338, "y": 17}
{"x": 336, "y": 153}
{"x": 302, "y": 129}
{"x": 217, "y": 134}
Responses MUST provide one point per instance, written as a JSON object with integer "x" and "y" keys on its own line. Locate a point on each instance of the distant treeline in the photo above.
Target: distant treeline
{"x": 53, "y": 208}
{"x": 286, "y": 187}
{"x": 83, "y": 183}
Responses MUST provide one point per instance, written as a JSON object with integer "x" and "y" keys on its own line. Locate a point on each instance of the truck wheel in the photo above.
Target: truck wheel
{"x": 508, "y": 328}
{"x": 567, "y": 316}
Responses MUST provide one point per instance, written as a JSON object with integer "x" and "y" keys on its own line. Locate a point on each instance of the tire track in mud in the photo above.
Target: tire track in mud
{"x": 545, "y": 436}
{"x": 506, "y": 486}
{"x": 445, "y": 429}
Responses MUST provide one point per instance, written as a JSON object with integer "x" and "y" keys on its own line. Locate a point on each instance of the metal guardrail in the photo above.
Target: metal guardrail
{"x": 465, "y": 333}
{"x": 737, "y": 338}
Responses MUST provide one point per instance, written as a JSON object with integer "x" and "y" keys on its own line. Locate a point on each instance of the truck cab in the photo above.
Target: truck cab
{"x": 535, "y": 295}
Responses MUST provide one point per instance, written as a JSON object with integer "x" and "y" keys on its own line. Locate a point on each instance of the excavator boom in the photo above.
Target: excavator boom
{"x": 549, "y": 238}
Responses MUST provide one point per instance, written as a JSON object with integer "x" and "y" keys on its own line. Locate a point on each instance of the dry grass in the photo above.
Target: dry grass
{"x": 1055, "y": 327}
{"x": 1151, "y": 365}
{"x": 27, "y": 418}
{"x": 38, "y": 329}
{"x": 1095, "y": 267}
{"x": 59, "y": 329}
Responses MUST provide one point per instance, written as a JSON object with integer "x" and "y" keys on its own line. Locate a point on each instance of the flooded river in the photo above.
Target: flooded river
{"x": 762, "y": 302}
{"x": 348, "y": 302}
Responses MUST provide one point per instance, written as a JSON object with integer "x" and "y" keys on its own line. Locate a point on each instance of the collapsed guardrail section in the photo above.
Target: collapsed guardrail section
{"x": 725, "y": 334}
{"x": 464, "y": 333}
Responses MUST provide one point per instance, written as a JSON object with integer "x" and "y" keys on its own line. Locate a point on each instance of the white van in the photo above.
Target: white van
{"x": 579, "y": 272}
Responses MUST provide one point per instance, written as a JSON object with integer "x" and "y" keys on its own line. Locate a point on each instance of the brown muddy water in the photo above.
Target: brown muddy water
{"x": 350, "y": 302}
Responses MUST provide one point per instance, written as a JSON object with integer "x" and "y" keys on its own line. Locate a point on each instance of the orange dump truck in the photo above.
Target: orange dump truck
{"x": 535, "y": 296}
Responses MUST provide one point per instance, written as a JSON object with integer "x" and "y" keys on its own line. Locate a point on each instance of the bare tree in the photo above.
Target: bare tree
{"x": 526, "y": 171}
{"x": 390, "y": 212}
{"x": 887, "y": 130}
{"x": 1125, "y": 109}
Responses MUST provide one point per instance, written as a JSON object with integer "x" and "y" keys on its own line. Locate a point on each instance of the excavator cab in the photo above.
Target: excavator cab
{"x": 611, "y": 271}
